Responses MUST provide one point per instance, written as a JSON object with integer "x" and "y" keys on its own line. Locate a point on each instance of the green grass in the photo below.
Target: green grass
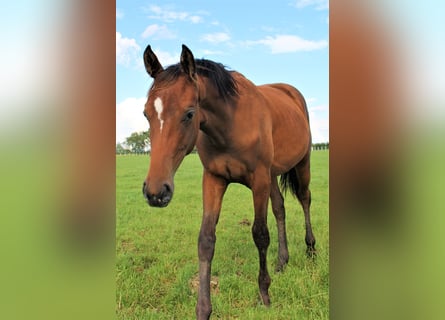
{"x": 156, "y": 258}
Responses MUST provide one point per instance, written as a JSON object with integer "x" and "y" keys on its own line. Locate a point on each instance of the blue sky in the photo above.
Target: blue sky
{"x": 267, "y": 41}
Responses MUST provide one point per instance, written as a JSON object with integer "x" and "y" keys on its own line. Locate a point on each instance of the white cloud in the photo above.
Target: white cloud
{"x": 319, "y": 4}
{"x": 129, "y": 118}
{"x": 126, "y": 50}
{"x": 318, "y": 108}
{"x": 319, "y": 127}
{"x": 319, "y": 121}
{"x": 157, "y": 32}
{"x": 217, "y": 37}
{"x": 166, "y": 58}
{"x": 290, "y": 43}
{"x": 195, "y": 19}
{"x": 119, "y": 14}
{"x": 212, "y": 52}
{"x": 167, "y": 15}
{"x": 310, "y": 100}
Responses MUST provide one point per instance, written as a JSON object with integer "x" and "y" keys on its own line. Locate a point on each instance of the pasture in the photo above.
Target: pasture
{"x": 156, "y": 250}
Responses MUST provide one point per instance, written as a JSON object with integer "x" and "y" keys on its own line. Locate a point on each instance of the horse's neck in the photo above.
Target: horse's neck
{"x": 217, "y": 114}
{"x": 217, "y": 119}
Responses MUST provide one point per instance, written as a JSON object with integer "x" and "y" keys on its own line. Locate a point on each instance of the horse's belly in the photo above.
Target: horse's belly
{"x": 288, "y": 155}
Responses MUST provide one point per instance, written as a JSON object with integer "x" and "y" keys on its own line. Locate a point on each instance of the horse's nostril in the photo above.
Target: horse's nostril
{"x": 143, "y": 188}
{"x": 160, "y": 198}
{"x": 167, "y": 188}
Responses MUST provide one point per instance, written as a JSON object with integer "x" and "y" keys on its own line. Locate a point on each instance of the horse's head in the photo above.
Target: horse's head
{"x": 172, "y": 111}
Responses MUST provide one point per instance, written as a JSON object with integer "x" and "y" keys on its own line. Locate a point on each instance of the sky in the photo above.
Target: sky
{"x": 267, "y": 41}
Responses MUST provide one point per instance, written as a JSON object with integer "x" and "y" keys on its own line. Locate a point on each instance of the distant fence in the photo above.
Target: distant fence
{"x": 128, "y": 152}
{"x": 315, "y": 146}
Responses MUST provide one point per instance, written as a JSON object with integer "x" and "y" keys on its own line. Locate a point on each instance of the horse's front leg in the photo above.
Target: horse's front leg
{"x": 213, "y": 192}
{"x": 261, "y": 190}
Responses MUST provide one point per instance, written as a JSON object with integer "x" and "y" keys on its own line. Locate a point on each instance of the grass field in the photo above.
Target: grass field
{"x": 156, "y": 250}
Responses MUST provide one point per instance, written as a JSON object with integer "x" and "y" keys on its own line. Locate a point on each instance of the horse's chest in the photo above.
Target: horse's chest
{"x": 230, "y": 168}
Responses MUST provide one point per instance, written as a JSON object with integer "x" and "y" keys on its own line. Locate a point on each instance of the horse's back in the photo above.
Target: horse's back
{"x": 277, "y": 93}
{"x": 290, "y": 125}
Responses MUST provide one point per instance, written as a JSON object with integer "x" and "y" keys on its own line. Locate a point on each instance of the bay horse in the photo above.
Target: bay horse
{"x": 245, "y": 134}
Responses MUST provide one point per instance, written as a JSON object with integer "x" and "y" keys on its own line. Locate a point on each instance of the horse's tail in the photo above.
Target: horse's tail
{"x": 289, "y": 180}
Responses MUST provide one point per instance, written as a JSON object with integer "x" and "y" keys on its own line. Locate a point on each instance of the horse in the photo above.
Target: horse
{"x": 244, "y": 134}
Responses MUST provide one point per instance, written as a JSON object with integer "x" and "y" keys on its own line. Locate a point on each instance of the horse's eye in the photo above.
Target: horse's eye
{"x": 189, "y": 114}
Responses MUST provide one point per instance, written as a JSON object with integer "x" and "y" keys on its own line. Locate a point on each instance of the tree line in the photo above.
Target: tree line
{"x": 139, "y": 142}
{"x": 320, "y": 146}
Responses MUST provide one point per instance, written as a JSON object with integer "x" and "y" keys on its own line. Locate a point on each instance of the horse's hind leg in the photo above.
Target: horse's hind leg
{"x": 304, "y": 196}
{"x": 280, "y": 216}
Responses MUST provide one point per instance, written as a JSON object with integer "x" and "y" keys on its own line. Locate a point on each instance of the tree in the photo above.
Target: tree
{"x": 138, "y": 141}
{"x": 320, "y": 146}
{"x": 120, "y": 149}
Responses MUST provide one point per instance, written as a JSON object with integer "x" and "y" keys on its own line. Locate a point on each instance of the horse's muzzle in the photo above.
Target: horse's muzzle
{"x": 160, "y": 199}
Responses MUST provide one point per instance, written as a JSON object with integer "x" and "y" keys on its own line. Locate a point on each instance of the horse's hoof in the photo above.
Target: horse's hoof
{"x": 265, "y": 299}
{"x": 280, "y": 267}
{"x": 311, "y": 252}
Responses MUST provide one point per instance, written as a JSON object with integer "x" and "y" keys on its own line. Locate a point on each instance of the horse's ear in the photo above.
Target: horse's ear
{"x": 151, "y": 62}
{"x": 188, "y": 62}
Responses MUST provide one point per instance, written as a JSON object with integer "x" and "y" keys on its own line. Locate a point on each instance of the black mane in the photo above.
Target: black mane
{"x": 218, "y": 75}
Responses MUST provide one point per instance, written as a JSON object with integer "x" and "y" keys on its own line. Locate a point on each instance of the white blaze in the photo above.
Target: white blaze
{"x": 159, "y": 107}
